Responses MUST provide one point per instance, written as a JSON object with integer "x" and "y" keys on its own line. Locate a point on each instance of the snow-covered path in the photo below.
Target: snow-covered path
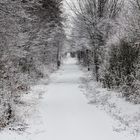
{"x": 67, "y": 114}
{"x": 64, "y": 112}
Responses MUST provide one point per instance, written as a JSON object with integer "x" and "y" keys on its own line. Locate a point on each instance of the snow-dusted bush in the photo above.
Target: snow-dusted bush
{"x": 132, "y": 92}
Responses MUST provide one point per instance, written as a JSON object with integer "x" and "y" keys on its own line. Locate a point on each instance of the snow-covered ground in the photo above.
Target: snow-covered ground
{"x": 126, "y": 114}
{"x": 60, "y": 111}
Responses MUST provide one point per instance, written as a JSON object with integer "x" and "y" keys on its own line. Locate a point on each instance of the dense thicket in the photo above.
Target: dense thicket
{"x": 31, "y": 39}
{"x": 107, "y": 39}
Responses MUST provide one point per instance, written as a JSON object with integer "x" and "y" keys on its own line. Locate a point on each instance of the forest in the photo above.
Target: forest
{"x": 105, "y": 35}
{"x": 31, "y": 40}
{"x": 37, "y": 35}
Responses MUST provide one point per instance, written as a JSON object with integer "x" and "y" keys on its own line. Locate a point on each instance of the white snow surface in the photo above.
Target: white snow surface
{"x": 62, "y": 111}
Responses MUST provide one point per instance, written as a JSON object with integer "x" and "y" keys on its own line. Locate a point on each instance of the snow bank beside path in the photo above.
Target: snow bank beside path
{"x": 126, "y": 114}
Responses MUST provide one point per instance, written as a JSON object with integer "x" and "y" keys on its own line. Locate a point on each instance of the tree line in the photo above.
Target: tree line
{"x": 31, "y": 40}
{"x": 106, "y": 37}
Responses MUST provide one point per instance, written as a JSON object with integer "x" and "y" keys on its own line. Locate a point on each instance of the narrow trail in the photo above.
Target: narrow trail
{"x": 67, "y": 114}
{"x": 64, "y": 112}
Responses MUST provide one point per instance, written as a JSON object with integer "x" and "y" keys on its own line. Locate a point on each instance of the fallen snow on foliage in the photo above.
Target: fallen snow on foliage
{"x": 126, "y": 114}
{"x": 60, "y": 111}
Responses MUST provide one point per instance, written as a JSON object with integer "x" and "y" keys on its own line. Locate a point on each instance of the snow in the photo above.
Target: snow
{"x": 125, "y": 114}
{"x": 63, "y": 112}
